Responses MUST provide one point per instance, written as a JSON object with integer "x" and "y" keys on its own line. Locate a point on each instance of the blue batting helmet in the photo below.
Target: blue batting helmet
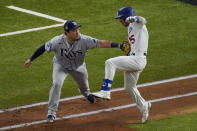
{"x": 125, "y": 12}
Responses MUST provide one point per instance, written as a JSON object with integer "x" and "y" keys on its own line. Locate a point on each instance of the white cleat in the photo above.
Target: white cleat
{"x": 145, "y": 114}
{"x": 102, "y": 94}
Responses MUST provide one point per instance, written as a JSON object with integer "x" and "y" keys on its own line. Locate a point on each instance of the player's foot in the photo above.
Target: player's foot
{"x": 50, "y": 118}
{"x": 145, "y": 113}
{"x": 91, "y": 98}
{"x": 102, "y": 94}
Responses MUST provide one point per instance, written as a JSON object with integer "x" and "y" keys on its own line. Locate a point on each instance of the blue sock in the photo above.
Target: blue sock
{"x": 106, "y": 85}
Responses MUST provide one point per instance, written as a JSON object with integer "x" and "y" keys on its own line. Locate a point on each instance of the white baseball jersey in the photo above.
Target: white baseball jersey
{"x": 132, "y": 64}
{"x": 138, "y": 38}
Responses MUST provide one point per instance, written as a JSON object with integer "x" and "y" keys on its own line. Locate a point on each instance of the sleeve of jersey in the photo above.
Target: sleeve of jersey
{"x": 51, "y": 44}
{"x": 38, "y": 52}
{"x": 90, "y": 42}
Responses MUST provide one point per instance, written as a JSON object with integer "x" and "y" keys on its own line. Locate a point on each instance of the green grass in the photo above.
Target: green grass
{"x": 12, "y": 20}
{"x": 172, "y": 44}
{"x": 186, "y": 122}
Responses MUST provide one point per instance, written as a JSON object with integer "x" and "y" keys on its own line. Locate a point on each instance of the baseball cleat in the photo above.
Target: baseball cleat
{"x": 145, "y": 114}
{"x": 102, "y": 94}
{"x": 91, "y": 98}
{"x": 50, "y": 118}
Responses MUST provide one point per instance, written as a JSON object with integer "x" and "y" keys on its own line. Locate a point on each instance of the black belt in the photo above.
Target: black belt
{"x": 134, "y": 54}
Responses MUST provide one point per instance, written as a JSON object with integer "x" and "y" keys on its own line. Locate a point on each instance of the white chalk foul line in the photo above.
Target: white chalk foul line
{"x": 35, "y": 13}
{"x": 96, "y": 112}
{"x": 30, "y": 30}
{"x": 113, "y": 90}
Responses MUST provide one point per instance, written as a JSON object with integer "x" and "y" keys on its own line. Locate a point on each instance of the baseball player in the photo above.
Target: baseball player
{"x": 134, "y": 61}
{"x": 70, "y": 49}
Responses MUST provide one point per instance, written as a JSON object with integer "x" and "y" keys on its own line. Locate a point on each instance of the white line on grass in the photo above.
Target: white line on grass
{"x": 96, "y": 111}
{"x": 29, "y": 30}
{"x": 113, "y": 90}
{"x": 35, "y": 13}
{"x": 33, "y": 29}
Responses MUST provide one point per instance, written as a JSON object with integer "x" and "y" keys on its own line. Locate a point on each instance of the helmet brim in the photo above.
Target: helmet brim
{"x": 118, "y": 17}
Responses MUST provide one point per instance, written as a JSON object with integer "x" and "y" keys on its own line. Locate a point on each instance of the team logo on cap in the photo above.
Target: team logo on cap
{"x": 66, "y": 28}
{"x": 74, "y": 23}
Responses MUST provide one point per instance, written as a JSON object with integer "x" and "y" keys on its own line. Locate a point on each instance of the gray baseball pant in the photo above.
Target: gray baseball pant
{"x": 80, "y": 75}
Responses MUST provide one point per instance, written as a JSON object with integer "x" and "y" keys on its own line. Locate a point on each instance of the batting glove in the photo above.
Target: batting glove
{"x": 130, "y": 19}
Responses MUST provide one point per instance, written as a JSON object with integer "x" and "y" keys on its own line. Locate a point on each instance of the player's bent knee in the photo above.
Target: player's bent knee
{"x": 141, "y": 67}
{"x": 108, "y": 62}
{"x": 56, "y": 85}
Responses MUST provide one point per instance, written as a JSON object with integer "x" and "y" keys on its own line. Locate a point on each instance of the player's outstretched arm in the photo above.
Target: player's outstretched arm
{"x": 138, "y": 19}
{"x": 37, "y": 53}
{"x": 107, "y": 44}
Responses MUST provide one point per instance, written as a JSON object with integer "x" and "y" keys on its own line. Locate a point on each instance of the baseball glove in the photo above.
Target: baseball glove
{"x": 125, "y": 46}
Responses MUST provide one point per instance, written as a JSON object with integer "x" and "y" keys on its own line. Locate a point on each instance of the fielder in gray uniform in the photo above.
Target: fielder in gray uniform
{"x": 70, "y": 49}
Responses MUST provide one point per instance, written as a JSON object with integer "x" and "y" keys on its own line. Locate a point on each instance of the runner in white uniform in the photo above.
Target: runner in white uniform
{"x": 132, "y": 64}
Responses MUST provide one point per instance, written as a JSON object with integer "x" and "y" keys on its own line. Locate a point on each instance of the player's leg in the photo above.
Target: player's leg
{"x": 123, "y": 63}
{"x": 81, "y": 78}
{"x": 130, "y": 81}
{"x": 110, "y": 70}
{"x": 58, "y": 78}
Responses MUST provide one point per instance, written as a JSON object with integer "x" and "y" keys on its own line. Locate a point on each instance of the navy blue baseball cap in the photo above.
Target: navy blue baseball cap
{"x": 71, "y": 25}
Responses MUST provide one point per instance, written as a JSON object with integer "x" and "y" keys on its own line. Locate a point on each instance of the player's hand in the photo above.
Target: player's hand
{"x": 130, "y": 19}
{"x": 121, "y": 45}
{"x": 27, "y": 63}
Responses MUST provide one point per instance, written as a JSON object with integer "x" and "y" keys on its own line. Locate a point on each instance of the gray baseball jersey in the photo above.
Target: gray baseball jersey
{"x": 70, "y": 57}
{"x": 68, "y": 60}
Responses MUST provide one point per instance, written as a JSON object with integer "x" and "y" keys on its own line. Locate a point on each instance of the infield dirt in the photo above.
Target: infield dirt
{"x": 116, "y": 120}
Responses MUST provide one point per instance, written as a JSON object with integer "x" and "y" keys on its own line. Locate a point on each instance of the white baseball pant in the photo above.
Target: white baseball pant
{"x": 132, "y": 66}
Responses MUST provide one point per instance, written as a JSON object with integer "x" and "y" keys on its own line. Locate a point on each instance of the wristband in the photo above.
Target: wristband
{"x": 114, "y": 45}
{"x": 137, "y": 19}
